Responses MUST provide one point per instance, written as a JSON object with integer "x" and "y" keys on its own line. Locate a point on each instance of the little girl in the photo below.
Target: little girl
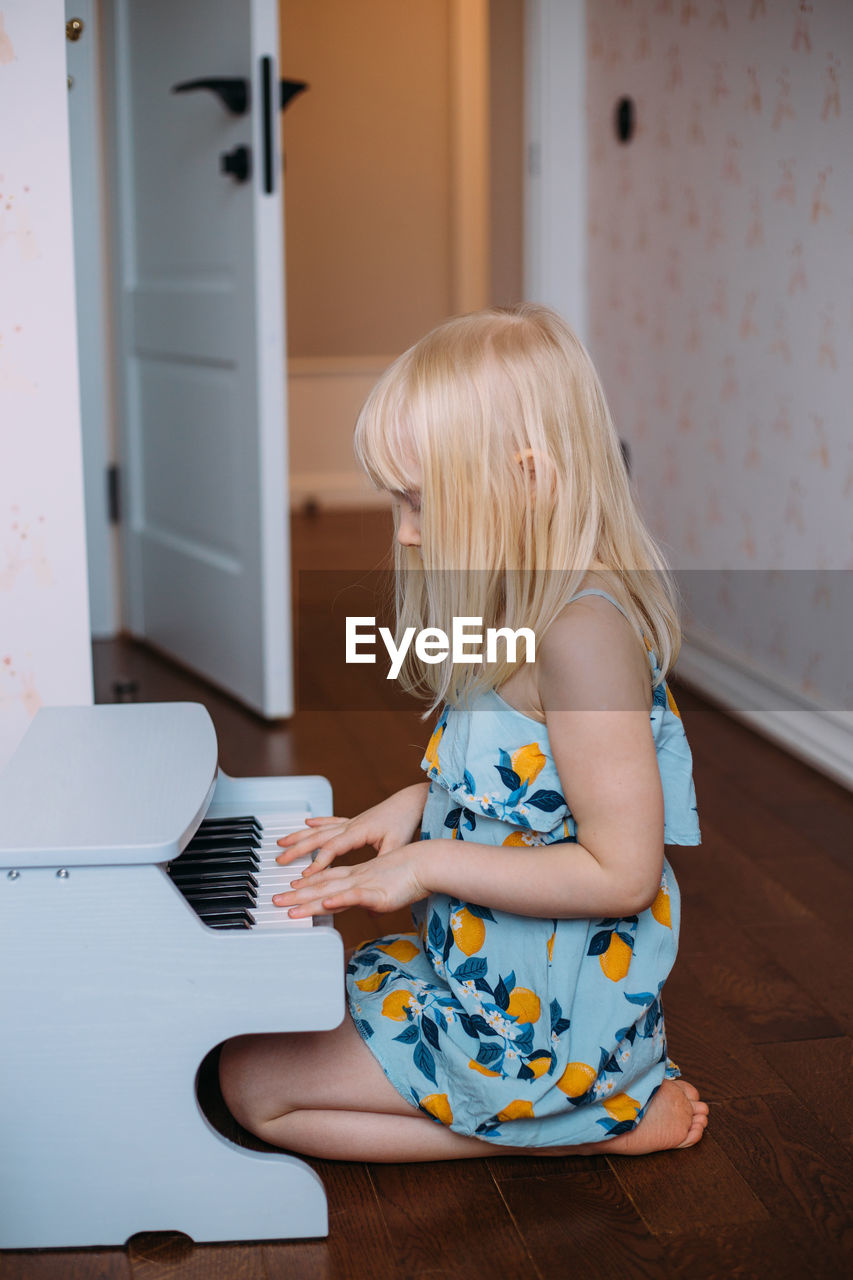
{"x": 524, "y": 1014}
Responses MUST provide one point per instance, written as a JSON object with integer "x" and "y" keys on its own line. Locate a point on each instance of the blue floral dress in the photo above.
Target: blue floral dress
{"x": 519, "y": 1030}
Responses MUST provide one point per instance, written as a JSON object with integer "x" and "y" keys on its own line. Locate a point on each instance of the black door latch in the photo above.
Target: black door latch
{"x": 237, "y": 162}
{"x": 232, "y": 91}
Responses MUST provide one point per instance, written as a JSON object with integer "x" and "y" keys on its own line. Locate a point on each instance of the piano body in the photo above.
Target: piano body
{"x": 114, "y": 988}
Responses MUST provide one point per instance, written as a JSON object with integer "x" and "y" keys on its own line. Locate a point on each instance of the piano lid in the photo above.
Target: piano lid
{"x": 107, "y": 784}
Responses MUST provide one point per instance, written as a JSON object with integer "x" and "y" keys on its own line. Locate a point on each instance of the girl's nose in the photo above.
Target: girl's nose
{"x": 409, "y": 532}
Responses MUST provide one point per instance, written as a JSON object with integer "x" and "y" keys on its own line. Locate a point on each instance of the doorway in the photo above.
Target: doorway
{"x": 459, "y": 190}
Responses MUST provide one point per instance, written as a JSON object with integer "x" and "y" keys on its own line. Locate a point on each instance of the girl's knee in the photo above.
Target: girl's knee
{"x": 243, "y": 1080}
{"x": 232, "y": 1075}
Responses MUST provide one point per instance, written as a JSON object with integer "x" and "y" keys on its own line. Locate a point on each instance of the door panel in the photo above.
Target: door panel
{"x": 202, "y": 333}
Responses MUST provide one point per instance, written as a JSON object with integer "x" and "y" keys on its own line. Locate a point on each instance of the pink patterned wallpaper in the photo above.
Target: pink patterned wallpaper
{"x": 721, "y": 312}
{"x": 45, "y": 653}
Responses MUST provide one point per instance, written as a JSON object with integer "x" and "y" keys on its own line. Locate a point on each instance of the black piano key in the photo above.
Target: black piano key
{"x": 236, "y": 920}
{"x": 231, "y": 880}
{"x": 223, "y": 839}
{"x": 236, "y": 884}
{"x": 225, "y": 859}
{"x": 219, "y": 901}
{"x": 213, "y": 911}
{"x": 202, "y": 866}
{"x": 231, "y": 851}
{"x": 224, "y": 826}
{"x": 237, "y": 876}
{"x": 190, "y": 887}
{"x": 247, "y": 819}
{"x": 229, "y": 903}
{"x": 228, "y": 833}
{"x": 222, "y": 844}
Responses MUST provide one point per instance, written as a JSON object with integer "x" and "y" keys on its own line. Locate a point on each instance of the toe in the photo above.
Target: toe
{"x": 698, "y": 1124}
{"x": 689, "y": 1089}
{"x": 689, "y": 1141}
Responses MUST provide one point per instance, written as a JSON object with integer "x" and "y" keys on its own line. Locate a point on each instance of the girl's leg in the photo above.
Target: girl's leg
{"x": 324, "y": 1094}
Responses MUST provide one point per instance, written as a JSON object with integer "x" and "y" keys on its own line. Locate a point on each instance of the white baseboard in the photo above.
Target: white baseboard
{"x": 819, "y": 735}
{"x": 332, "y": 490}
{"x": 325, "y": 394}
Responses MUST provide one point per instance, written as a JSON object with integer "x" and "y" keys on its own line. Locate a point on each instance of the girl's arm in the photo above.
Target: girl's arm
{"x": 596, "y": 696}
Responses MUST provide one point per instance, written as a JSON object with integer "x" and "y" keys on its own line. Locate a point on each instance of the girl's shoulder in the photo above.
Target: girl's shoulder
{"x": 591, "y": 658}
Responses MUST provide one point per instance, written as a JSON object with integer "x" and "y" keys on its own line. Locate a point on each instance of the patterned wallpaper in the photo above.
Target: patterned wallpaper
{"x": 45, "y": 654}
{"x": 721, "y": 313}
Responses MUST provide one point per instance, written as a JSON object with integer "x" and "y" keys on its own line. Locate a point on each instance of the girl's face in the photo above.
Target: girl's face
{"x": 409, "y": 531}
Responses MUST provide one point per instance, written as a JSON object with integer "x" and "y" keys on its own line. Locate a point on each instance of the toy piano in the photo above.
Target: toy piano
{"x": 136, "y": 933}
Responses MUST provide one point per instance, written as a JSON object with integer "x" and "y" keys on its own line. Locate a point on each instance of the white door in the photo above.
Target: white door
{"x": 202, "y": 340}
{"x": 89, "y": 197}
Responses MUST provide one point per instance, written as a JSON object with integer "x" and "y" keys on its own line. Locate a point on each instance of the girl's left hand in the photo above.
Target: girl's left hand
{"x": 383, "y": 884}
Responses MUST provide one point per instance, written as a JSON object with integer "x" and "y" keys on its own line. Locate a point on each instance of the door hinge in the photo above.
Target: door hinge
{"x": 113, "y": 494}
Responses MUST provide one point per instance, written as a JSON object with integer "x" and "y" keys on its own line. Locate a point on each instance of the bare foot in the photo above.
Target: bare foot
{"x": 675, "y": 1118}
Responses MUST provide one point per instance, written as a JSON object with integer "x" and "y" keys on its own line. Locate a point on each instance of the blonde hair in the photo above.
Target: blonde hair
{"x": 467, "y": 406}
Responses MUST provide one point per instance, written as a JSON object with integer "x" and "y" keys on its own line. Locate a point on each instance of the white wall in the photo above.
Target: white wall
{"x": 721, "y": 278}
{"x": 44, "y": 624}
{"x": 555, "y": 232}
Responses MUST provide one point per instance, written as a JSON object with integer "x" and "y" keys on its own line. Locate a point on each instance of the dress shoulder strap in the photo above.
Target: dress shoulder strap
{"x": 596, "y": 591}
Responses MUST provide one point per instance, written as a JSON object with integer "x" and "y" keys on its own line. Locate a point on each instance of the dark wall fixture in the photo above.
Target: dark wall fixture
{"x": 625, "y": 119}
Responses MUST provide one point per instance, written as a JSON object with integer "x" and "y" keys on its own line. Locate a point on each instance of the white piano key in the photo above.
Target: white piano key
{"x": 270, "y": 923}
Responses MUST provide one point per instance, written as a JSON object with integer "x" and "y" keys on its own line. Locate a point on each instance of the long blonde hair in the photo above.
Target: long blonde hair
{"x": 469, "y": 406}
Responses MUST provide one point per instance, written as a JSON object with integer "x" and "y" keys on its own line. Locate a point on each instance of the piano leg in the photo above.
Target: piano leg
{"x": 211, "y": 1191}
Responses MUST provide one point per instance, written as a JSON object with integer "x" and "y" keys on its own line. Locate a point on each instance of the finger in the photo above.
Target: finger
{"x": 328, "y": 848}
{"x": 331, "y": 875}
{"x": 322, "y": 859}
{"x": 305, "y": 909}
{"x": 293, "y": 854}
{"x": 299, "y": 892}
{"x": 314, "y": 907}
{"x": 310, "y": 843}
{"x": 312, "y": 834}
{"x": 362, "y": 896}
{"x": 301, "y": 903}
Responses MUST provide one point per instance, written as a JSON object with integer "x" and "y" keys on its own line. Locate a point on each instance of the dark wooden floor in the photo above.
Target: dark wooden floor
{"x": 759, "y": 1017}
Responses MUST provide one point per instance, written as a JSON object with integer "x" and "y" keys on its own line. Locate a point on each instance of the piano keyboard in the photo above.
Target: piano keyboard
{"x": 228, "y": 872}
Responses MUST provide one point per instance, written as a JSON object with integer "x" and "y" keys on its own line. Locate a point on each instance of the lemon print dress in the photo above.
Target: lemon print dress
{"x": 520, "y": 1030}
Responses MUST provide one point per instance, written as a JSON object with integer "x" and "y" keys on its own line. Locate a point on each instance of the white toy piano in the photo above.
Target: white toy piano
{"x": 137, "y": 933}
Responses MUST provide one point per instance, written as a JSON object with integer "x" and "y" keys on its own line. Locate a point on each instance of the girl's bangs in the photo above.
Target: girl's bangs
{"x": 384, "y": 440}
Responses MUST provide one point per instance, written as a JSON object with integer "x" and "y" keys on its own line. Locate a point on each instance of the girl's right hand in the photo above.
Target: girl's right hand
{"x": 387, "y": 826}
